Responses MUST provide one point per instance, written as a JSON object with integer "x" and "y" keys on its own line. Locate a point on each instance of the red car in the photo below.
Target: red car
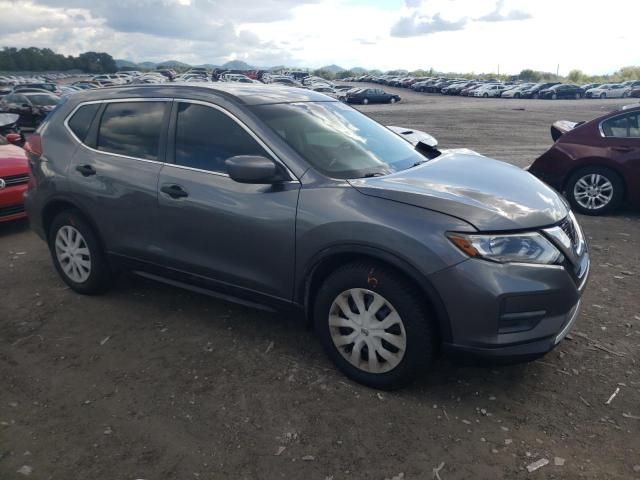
{"x": 14, "y": 176}
{"x": 597, "y": 163}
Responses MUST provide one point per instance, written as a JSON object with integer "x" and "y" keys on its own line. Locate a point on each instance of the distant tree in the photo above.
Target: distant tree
{"x": 326, "y": 74}
{"x": 34, "y": 59}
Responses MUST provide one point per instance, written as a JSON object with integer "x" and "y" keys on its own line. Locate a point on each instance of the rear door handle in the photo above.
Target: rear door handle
{"x": 622, "y": 149}
{"x": 86, "y": 170}
{"x": 174, "y": 191}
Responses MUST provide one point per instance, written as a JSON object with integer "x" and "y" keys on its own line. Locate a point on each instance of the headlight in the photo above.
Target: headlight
{"x": 508, "y": 248}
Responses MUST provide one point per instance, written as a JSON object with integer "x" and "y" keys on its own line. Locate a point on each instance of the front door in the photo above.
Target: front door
{"x": 239, "y": 235}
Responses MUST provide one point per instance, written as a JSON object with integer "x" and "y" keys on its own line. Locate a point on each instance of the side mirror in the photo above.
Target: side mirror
{"x": 253, "y": 169}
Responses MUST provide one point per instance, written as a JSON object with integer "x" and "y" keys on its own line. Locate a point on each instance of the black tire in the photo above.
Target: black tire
{"x": 517, "y": 95}
{"x": 420, "y": 333}
{"x": 603, "y": 95}
{"x": 486, "y": 95}
{"x": 100, "y": 275}
{"x": 613, "y": 177}
{"x": 535, "y": 96}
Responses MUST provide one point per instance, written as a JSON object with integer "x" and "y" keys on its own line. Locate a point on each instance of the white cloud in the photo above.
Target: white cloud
{"x": 448, "y": 35}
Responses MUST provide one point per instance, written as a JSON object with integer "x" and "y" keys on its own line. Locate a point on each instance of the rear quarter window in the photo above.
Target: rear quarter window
{"x": 81, "y": 120}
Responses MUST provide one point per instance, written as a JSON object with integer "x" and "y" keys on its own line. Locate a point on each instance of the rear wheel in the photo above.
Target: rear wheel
{"x": 373, "y": 325}
{"x": 578, "y": 96}
{"x": 603, "y": 95}
{"x": 595, "y": 190}
{"x": 365, "y": 101}
{"x": 486, "y": 95}
{"x": 77, "y": 254}
{"x": 517, "y": 95}
{"x": 554, "y": 96}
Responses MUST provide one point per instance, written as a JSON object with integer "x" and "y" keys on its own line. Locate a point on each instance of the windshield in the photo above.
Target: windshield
{"x": 337, "y": 140}
{"x": 44, "y": 100}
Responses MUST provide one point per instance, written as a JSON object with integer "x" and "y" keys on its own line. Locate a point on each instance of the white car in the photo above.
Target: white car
{"x": 491, "y": 90}
{"x": 609, "y": 90}
{"x": 515, "y": 91}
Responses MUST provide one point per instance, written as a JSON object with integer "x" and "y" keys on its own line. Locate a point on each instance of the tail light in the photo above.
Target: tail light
{"x": 34, "y": 145}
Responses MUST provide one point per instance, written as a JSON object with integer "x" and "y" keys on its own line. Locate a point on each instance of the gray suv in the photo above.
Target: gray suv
{"x": 285, "y": 198}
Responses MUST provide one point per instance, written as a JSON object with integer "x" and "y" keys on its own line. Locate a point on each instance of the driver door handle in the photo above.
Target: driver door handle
{"x": 174, "y": 191}
{"x": 622, "y": 149}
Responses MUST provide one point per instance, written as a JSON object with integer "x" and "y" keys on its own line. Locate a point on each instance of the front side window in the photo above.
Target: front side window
{"x": 338, "y": 140}
{"x": 206, "y": 137}
{"x": 624, "y": 126}
{"x": 132, "y": 129}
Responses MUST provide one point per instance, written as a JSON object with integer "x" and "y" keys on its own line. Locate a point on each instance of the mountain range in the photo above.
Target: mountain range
{"x": 231, "y": 65}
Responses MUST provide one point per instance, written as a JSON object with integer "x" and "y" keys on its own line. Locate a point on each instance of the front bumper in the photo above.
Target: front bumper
{"x": 511, "y": 312}
{"x": 12, "y": 203}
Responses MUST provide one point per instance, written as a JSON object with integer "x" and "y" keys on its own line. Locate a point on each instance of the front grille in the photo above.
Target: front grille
{"x": 11, "y": 210}
{"x": 570, "y": 229}
{"x": 16, "y": 179}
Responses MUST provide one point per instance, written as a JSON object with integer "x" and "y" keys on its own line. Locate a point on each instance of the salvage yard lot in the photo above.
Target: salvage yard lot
{"x": 153, "y": 382}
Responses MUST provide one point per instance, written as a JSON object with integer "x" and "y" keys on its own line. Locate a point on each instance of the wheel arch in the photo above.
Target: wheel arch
{"x": 324, "y": 263}
{"x": 61, "y": 204}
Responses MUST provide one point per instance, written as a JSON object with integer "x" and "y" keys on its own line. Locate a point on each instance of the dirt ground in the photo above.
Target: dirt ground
{"x": 152, "y": 382}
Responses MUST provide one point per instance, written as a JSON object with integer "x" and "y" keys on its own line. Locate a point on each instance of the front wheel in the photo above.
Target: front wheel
{"x": 374, "y": 326}
{"x": 625, "y": 95}
{"x": 486, "y": 95}
{"x": 77, "y": 254}
{"x": 392, "y": 100}
{"x": 535, "y": 96}
{"x": 603, "y": 95}
{"x": 594, "y": 190}
{"x": 578, "y": 96}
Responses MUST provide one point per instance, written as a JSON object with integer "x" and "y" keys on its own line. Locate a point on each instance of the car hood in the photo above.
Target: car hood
{"x": 13, "y": 161}
{"x": 489, "y": 194}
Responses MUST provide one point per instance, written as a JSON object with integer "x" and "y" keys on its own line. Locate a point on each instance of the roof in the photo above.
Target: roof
{"x": 245, "y": 93}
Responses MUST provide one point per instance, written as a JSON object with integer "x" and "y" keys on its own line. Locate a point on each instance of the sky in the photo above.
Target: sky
{"x": 477, "y": 36}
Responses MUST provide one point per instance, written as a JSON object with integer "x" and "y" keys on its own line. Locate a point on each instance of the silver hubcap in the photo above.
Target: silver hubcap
{"x": 593, "y": 191}
{"x": 73, "y": 254}
{"x": 367, "y": 330}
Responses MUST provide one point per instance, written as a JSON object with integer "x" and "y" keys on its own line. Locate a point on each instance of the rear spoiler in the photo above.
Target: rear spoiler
{"x": 561, "y": 127}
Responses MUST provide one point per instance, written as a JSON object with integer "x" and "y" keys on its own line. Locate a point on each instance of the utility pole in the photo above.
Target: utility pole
{"x": 498, "y": 69}
{"x": 558, "y": 71}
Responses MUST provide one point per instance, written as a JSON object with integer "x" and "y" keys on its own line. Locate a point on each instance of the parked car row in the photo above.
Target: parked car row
{"x": 513, "y": 89}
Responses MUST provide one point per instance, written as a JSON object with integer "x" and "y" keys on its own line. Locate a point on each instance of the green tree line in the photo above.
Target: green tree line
{"x": 34, "y": 59}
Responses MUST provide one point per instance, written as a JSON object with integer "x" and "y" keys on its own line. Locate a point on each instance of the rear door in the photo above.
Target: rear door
{"x": 114, "y": 174}
{"x": 622, "y": 137}
{"x": 239, "y": 235}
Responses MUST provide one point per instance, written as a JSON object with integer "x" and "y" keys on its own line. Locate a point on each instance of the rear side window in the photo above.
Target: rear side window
{"x": 206, "y": 137}
{"x": 623, "y": 126}
{"x": 80, "y": 122}
{"x": 132, "y": 129}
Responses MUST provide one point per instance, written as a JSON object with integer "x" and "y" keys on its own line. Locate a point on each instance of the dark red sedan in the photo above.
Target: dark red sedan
{"x": 597, "y": 163}
{"x": 14, "y": 176}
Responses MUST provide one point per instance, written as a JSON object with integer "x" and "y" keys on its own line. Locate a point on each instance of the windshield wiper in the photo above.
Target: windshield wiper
{"x": 419, "y": 162}
{"x": 374, "y": 174}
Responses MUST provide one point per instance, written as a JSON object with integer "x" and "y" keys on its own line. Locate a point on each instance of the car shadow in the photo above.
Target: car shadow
{"x": 11, "y": 228}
